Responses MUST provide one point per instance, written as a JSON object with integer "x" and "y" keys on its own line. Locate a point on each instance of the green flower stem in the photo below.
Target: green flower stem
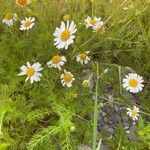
{"x": 119, "y": 69}
{"x": 95, "y": 111}
{"x": 1, "y": 120}
{"x": 145, "y": 113}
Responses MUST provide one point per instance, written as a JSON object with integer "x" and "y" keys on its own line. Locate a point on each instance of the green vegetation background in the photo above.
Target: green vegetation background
{"x": 41, "y": 116}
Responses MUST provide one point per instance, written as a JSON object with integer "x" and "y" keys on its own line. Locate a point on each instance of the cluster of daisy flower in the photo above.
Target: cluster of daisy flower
{"x": 64, "y": 37}
{"x": 134, "y": 84}
{"x": 26, "y": 24}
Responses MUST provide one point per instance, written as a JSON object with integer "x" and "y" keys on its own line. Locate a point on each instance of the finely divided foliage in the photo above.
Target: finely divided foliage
{"x": 79, "y": 56}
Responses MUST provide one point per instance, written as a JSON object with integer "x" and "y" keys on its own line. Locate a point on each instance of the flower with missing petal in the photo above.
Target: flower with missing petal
{"x": 83, "y": 58}
{"x": 31, "y": 71}
{"x": 133, "y": 83}
{"x": 133, "y": 113}
{"x": 64, "y": 35}
{"x": 27, "y": 24}
{"x": 94, "y": 22}
{"x": 9, "y": 19}
{"x": 23, "y": 3}
{"x": 67, "y": 79}
{"x": 57, "y": 62}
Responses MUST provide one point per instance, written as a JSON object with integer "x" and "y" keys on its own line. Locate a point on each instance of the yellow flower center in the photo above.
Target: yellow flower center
{"x": 56, "y": 59}
{"x": 27, "y": 24}
{"x": 30, "y": 72}
{"x": 65, "y": 35}
{"x": 8, "y": 16}
{"x": 68, "y": 77}
{"x": 83, "y": 56}
{"x": 133, "y": 82}
{"x": 22, "y": 2}
{"x": 92, "y": 21}
{"x": 134, "y": 113}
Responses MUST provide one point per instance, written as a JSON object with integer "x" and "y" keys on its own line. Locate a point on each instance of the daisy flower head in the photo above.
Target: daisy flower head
{"x": 23, "y": 3}
{"x": 133, "y": 83}
{"x": 31, "y": 71}
{"x": 133, "y": 113}
{"x": 27, "y": 24}
{"x": 67, "y": 79}
{"x": 83, "y": 58}
{"x": 93, "y": 22}
{"x": 9, "y": 19}
{"x": 57, "y": 62}
{"x": 64, "y": 35}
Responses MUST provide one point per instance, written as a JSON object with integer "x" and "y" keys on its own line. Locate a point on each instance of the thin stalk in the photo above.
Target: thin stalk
{"x": 1, "y": 120}
{"x": 119, "y": 144}
{"x": 99, "y": 145}
{"x": 145, "y": 113}
{"x": 95, "y": 111}
{"x": 120, "y": 81}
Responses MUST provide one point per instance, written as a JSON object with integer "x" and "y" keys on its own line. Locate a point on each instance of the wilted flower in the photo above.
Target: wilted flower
{"x": 83, "y": 58}
{"x": 86, "y": 83}
{"x": 9, "y": 19}
{"x": 57, "y": 62}
{"x": 23, "y": 3}
{"x": 66, "y": 17}
{"x": 95, "y": 23}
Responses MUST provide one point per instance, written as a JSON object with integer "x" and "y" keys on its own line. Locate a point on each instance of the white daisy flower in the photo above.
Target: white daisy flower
{"x": 57, "y": 62}
{"x": 133, "y": 83}
{"x": 64, "y": 35}
{"x": 67, "y": 79}
{"x": 9, "y": 19}
{"x": 32, "y": 71}
{"x": 23, "y": 3}
{"x": 133, "y": 113}
{"x": 94, "y": 23}
{"x": 83, "y": 58}
{"x": 27, "y": 24}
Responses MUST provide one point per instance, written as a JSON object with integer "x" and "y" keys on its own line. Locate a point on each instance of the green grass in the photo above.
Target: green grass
{"x": 40, "y": 116}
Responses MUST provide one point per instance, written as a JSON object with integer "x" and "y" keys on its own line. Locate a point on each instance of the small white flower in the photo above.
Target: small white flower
{"x": 83, "y": 58}
{"x": 95, "y": 23}
{"x": 56, "y": 62}
{"x": 32, "y": 72}
{"x": 133, "y": 113}
{"x": 64, "y": 35}
{"x": 27, "y": 24}
{"x": 67, "y": 79}
{"x": 9, "y": 19}
{"x": 23, "y": 3}
{"x": 133, "y": 83}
